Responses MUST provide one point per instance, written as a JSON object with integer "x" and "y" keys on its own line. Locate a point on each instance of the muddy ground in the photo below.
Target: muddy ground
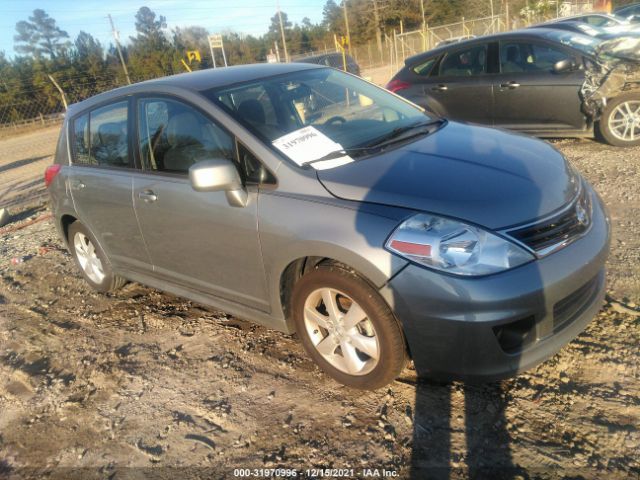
{"x": 141, "y": 384}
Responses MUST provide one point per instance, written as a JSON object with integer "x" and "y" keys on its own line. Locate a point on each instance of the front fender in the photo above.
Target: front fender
{"x": 294, "y": 228}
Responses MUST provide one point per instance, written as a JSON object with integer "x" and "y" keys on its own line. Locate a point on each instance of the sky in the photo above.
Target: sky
{"x": 242, "y": 16}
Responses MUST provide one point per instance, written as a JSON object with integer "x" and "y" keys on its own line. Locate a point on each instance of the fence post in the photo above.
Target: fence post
{"x": 64, "y": 98}
{"x": 41, "y": 118}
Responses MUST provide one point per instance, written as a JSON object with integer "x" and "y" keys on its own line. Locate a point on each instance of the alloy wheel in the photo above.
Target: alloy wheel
{"x": 88, "y": 258}
{"x": 341, "y": 331}
{"x": 624, "y": 121}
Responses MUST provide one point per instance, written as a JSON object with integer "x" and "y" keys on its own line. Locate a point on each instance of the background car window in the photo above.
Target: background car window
{"x": 524, "y": 57}
{"x": 174, "y": 136}
{"x": 424, "y": 68}
{"x": 81, "y": 143}
{"x": 599, "y": 21}
{"x": 465, "y": 63}
{"x": 109, "y": 135}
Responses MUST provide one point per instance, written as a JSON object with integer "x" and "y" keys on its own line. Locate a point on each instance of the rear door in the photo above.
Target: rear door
{"x": 529, "y": 96}
{"x": 459, "y": 87}
{"x": 101, "y": 183}
{"x": 195, "y": 239}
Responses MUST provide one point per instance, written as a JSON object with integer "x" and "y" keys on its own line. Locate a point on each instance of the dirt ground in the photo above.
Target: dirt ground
{"x": 141, "y": 384}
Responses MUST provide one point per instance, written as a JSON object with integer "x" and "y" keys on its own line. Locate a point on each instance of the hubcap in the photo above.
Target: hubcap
{"x": 624, "y": 121}
{"x": 88, "y": 258}
{"x": 341, "y": 331}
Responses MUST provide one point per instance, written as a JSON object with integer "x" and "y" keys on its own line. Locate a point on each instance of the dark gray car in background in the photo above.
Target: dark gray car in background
{"x": 310, "y": 201}
{"x": 542, "y": 81}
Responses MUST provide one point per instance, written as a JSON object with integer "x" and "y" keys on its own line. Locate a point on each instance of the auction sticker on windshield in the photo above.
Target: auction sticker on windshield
{"x": 309, "y": 146}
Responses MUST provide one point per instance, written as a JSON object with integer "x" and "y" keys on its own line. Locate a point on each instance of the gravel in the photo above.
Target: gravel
{"x": 141, "y": 383}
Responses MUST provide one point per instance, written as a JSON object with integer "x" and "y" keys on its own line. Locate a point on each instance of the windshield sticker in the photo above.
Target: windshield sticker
{"x": 309, "y": 146}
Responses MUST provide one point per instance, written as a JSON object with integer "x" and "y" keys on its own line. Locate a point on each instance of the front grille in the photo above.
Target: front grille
{"x": 573, "y": 305}
{"x": 559, "y": 230}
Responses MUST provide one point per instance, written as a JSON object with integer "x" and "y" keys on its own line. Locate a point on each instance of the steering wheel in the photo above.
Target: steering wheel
{"x": 336, "y": 119}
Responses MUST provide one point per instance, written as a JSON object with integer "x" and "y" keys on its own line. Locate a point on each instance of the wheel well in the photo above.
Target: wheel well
{"x": 296, "y": 270}
{"x": 66, "y": 222}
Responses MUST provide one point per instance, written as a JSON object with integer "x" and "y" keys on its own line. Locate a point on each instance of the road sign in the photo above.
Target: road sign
{"x": 215, "y": 41}
{"x": 193, "y": 55}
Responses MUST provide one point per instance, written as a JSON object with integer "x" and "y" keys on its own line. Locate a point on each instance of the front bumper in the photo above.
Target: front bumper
{"x": 488, "y": 328}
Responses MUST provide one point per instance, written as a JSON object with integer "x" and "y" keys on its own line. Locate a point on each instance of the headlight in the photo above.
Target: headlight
{"x": 454, "y": 247}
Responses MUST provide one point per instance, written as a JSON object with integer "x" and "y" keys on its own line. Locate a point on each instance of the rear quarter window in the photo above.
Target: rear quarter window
{"x": 81, "y": 145}
{"x": 424, "y": 68}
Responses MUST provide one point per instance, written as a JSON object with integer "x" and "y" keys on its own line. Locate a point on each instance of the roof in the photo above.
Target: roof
{"x": 539, "y": 31}
{"x": 218, "y": 77}
{"x": 206, "y": 79}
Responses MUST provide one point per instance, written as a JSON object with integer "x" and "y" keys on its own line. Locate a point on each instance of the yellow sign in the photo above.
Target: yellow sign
{"x": 193, "y": 55}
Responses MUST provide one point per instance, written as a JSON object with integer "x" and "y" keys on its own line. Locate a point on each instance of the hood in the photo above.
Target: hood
{"x": 489, "y": 177}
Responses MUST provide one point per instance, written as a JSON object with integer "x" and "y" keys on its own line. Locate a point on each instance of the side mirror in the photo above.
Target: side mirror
{"x": 219, "y": 175}
{"x": 565, "y": 66}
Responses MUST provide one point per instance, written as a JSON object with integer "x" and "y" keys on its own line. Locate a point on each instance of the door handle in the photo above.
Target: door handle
{"x": 440, "y": 88}
{"x": 148, "y": 196}
{"x": 510, "y": 85}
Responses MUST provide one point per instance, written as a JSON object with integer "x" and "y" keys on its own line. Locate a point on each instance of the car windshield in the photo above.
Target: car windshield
{"x": 587, "y": 45}
{"x": 340, "y": 108}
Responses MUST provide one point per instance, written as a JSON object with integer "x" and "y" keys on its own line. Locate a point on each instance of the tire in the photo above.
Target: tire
{"x": 95, "y": 269}
{"x": 611, "y": 127}
{"x": 314, "y": 324}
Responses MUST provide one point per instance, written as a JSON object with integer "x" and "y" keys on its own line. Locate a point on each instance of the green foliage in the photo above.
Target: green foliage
{"x": 84, "y": 67}
{"x": 40, "y": 36}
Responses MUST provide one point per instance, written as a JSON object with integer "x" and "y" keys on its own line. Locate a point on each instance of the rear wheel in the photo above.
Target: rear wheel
{"x": 91, "y": 260}
{"x": 620, "y": 122}
{"x": 347, "y": 328}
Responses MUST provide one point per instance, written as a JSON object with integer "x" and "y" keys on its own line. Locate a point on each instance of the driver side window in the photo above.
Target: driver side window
{"x": 174, "y": 136}
{"x": 525, "y": 57}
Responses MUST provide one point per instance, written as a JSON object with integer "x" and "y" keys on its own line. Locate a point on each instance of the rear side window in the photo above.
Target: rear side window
{"x": 465, "y": 63}
{"x": 101, "y": 138}
{"x": 109, "y": 135}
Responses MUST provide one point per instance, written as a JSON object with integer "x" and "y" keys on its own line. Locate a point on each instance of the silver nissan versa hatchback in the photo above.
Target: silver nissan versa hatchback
{"x": 310, "y": 201}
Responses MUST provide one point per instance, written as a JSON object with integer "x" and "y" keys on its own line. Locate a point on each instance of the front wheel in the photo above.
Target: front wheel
{"x": 347, "y": 328}
{"x": 620, "y": 122}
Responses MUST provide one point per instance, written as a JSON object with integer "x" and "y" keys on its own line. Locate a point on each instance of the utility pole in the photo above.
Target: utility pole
{"x": 424, "y": 19}
{"x": 346, "y": 24}
{"x": 376, "y": 19}
{"x": 284, "y": 41}
{"x": 115, "y": 37}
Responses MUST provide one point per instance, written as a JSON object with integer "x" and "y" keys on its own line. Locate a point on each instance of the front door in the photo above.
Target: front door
{"x": 529, "y": 96}
{"x": 195, "y": 239}
{"x": 101, "y": 184}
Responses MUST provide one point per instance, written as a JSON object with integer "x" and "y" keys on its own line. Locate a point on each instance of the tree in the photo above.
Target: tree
{"x": 40, "y": 36}
{"x": 151, "y": 54}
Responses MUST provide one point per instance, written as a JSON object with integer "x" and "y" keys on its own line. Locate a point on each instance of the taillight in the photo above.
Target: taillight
{"x": 50, "y": 173}
{"x": 397, "y": 85}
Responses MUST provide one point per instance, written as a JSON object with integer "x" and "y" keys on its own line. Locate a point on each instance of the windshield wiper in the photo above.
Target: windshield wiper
{"x": 398, "y": 134}
{"x": 395, "y": 135}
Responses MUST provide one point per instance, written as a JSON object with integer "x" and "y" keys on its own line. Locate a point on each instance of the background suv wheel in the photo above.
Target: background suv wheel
{"x": 347, "y": 328}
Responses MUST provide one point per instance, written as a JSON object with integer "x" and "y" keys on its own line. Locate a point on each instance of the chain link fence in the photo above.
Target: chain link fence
{"x": 378, "y": 59}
